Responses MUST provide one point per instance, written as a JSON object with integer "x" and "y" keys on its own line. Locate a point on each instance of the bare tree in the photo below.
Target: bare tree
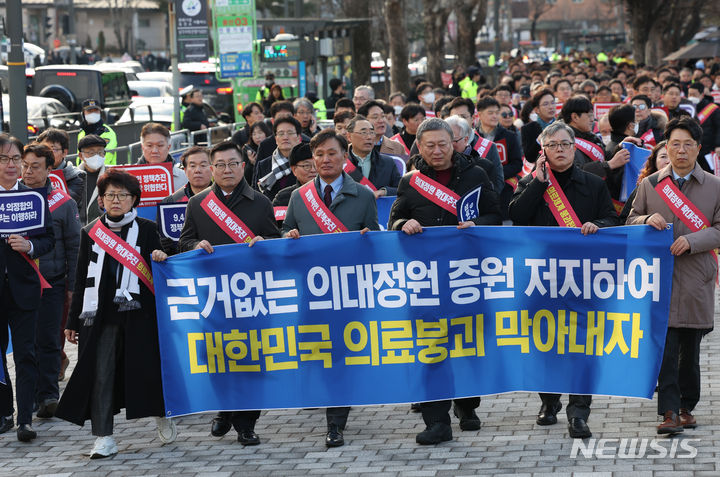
{"x": 676, "y": 24}
{"x": 360, "y": 40}
{"x": 641, "y": 19}
{"x": 471, "y": 16}
{"x": 121, "y": 16}
{"x": 397, "y": 37}
{"x": 435, "y": 15}
{"x": 537, "y": 9}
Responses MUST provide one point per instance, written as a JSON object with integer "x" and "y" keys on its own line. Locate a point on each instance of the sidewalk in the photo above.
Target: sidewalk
{"x": 380, "y": 441}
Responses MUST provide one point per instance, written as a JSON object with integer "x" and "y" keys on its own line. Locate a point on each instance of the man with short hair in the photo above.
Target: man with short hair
{"x": 692, "y": 301}
{"x": 362, "y": 95}
{"x": 305, "y": 116}
{"x": 273, "y": 173}
{"x": 58, "y": 268}
{"x": 412, "y": 115}
{"x": 589, "y": 202}
{"x": 577, "y": 112}
{"x": 337, "y": 88}
{"x": 155, "y": 145}
{"x": 303, "y": 168}
{"x": 279, "y": 109}
{"x": 255, "y": 220}
{"x": 58, "y": 141}
{"x": 343, "y": 202}
{"x": 251, "y": 113}
{"x": 341, "y": 120}
{"x": 671, "y": 100}
{"x": 462, "y": 132}
{"x": 20, "y": 294}
{"x": 195, "y": 118}
{"x": 375, "y": 113}
{"x": 651, "y": 124}
{"x": 441, "y": 167}
{"x": 345, "y": 104}
{"x": 367, "y": 166}
{"x": 196, "y": 165}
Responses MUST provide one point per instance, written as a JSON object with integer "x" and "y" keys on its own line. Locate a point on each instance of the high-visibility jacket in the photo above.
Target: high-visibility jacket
{"x": 320, "y": 109}
{"x": 111, "y": 138}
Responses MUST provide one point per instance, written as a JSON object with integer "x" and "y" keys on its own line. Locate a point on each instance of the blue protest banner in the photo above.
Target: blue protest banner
{"x": 384, "y": 204}
{"x": 171, "y": 219}
{"x": 638, "y": 158}
{"x": 438, "y": 315}
{"x": 22, "y": 212}
{"x": 468, "y": 207}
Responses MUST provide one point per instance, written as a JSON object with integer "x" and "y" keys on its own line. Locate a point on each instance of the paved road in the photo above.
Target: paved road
{"x": 380, "y": 441}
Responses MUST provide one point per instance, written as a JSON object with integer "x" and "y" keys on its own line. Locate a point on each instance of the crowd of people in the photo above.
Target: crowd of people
{"x": 281, "y": 176}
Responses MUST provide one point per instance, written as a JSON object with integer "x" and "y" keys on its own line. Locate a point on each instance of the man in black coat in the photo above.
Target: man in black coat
{"x": 368, "y": 163}
{"x": 195, "y": 118}
{"x": 589, "y": 198}
{"x": 20, "y": 290}
{"x": 411, "y": 211}
{"x": 279, "y": 109}
{"x": 201, "y": 231}
{"x": 708, "y": 115}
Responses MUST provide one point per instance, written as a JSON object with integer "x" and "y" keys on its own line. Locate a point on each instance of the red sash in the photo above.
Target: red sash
{"x": 590, "y": 149}
{"x": 57, "y": 179}
{"x": 558, "y": 203}
{"x": 680, "y": 205}
{"x": 225, "y": 219}
{"x": 57, "y": 198}
{"x": 501, "y": 146}
{"x": 349, "y": 167}
{"x": 619, "y": 206}
{"x": 121, "y": 251}
{"x": 648, "y": 137}
{"x": 706, "y": 112}
{"x": 398, "y": 138}
{"x": 43, "y": 283}
{"x": 325, "y": 219}
{"x": 482, "y": 146}
{"x": 280, "y": 213}
{"x": 435, "y": 192}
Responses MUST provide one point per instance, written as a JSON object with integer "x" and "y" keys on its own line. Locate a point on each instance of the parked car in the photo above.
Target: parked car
{"x": 5, "y": 78}
{"x": 73, "y": 84}
{"x": 155, "y": 76}
{"x": 150, "y": 89}
{"x": 43, "y": 113}
{"x": 219, "y": 94}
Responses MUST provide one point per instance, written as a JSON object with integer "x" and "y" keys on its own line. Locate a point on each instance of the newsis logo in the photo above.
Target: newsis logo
{"x": 634, "y": 448}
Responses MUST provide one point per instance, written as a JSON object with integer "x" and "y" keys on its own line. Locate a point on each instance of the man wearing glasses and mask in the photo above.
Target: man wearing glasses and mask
{"x": 588, "y": 202}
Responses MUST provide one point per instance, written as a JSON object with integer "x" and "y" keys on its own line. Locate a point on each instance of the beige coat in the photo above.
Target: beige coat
{"x": 391, "y": 147}
{"x": 692, "y": 303}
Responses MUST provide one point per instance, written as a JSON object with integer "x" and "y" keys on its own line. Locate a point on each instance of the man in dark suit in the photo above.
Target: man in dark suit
{"x": 369, "y": 164}
{"x": 200, "y": 231}
{"x": 20, "y": 289}
{"x": 346, "y": 201}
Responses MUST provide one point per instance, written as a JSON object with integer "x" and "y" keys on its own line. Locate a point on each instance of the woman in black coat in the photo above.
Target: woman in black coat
{"x": 113, "y": 319}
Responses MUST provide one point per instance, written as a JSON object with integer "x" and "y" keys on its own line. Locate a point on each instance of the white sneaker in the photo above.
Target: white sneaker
{"x": 167, "y": 431}
{"x": 104, "y": 447}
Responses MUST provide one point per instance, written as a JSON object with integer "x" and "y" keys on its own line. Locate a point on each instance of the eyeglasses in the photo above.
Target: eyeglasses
{"x": 459, "y": 139}
{"x": 57, "y": 149}
{"x": 365, "y": 132}
{"x": 506, "y": 115}
{"x": 307, "y": 167}
{"x": 4, "y": 160}
{"x": 286, "y": 133}
{"x": 640, "y": 107}
{"x": 120, "y": 196}
{"x": 677, "y": 145}
{"x": 222, "y": 165}
{"x": 547, "y": 104}
{"x": 554, "y": 146}
{"x": 33, "y": 168}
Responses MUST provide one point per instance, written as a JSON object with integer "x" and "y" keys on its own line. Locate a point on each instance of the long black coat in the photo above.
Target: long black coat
{"x": 138, "y": 384}
{"x": 586, "y": 193}
{"x": 249, "y": 205}
{"x": 465, "y": 177}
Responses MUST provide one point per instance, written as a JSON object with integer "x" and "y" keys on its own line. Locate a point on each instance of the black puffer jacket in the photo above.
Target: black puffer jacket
{"x": 465, "y": 177}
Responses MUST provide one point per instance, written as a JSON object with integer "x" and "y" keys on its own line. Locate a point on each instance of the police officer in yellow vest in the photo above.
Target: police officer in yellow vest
{"x": 318, "y": 105}
{"x": 92, "y": 123}
{"x": 264, "y": 92}
{"x": 469, "y": 85}
{"x": 185, "y": 94}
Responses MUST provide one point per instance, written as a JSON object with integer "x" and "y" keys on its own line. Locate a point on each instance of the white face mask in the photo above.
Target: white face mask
{"x": 398, "y": 110}
{"x": 95, "y": 162}
{"x": 694, "y": 100}
{"x": 428, "y": 98}
{"x": 533, "y": 117}
{"x": 636, "y": 128}
{"x": 92, "y": 118}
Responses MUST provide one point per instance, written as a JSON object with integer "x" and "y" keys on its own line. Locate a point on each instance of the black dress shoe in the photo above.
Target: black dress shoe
{"x": 415, "y": 407}
{"x": 334, "y": 437}
{"x": 6, "y": 423}
{"x": 248, "y": 437}
{"x": 435, "y": 434}
{"x": 578, "y": 428}
{"x": 25, "y": 433}
{"x": 220, "y": 426}
{"x": 47, "y": 409}
{"x": 548, "y": 415}
{"x": 469, "y": 421}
